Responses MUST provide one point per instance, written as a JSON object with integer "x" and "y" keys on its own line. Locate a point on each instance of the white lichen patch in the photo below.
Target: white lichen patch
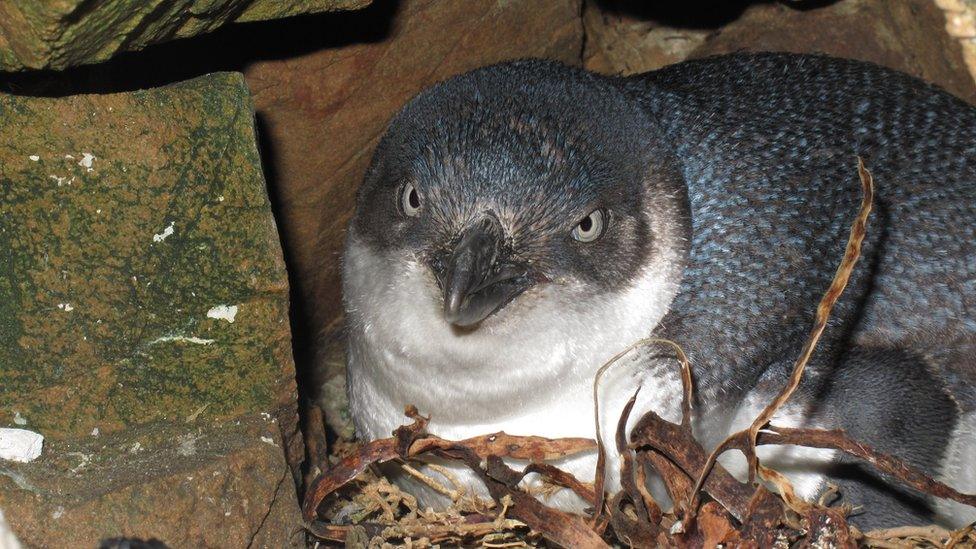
{"x": 193, "y": 417}
{"x": 188, "y": 445}
{"x": 167, "y": 232}
{"x": 268, "y": 440}
{"x": 182, "y": 339}
{"x": 223, "y": 312}
{"x": 66, "y": 307}
{"x": 20, "y": 445}
{"x": 87, "y": 160}
{"x": 19, "y": 419}
{"x": 34, "y": 158}
{"x": 84, "y": 460}
{"x": 62, "y": 181}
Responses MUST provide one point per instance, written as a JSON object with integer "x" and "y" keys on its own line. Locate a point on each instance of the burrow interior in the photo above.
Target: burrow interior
{"x": 325, "y": 85}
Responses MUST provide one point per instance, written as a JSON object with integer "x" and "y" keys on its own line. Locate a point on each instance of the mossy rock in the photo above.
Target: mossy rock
{"x": 55, "y": 35}
{"x": 141, "y": 276}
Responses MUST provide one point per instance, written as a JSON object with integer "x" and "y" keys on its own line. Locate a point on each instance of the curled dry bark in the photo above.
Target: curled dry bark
{"x": 412, "y": 441}
{"x": 737, "y": 514}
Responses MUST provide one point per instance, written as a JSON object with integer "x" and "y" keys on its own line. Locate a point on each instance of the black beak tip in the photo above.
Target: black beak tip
{"x": 453, "y": 312}
{"x": 459, "y": 319}
{"x": 467, "y": 310}
{"x": 477, "y": 278}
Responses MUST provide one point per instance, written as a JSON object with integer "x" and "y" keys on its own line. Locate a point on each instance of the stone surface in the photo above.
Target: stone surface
{"x": 624, "y": 42}
{"x": 63, "y": 33}
{"x": 627, "y": 37}
{"x": 188, "y": 484}
{"x": 264, "y": 10}
{"x": 7, "y": 538}
{"x": 324, "y": 111}
{"x": 126, "y": 219}
{"x": 908, "y": 35}
{"x": 961, "y": 24}
{"x": 144, "y": 320}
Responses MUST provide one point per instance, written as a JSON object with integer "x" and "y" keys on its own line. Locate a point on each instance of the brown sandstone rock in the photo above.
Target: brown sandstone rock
{"x": 961, "y": 24}
{"x": 627, "y": 37}
{"x": 622, "y": 40}
{"x": 140, "y": 271}
{"x": 197, "y": 484}
{"x": 907, "y": 35}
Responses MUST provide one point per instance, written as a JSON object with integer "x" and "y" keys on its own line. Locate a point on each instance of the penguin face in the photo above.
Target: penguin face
{"x": 499, "y": 183}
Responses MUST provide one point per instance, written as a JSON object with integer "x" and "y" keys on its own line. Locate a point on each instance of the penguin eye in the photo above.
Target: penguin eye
{"x": 590, "y": 228}
{"x": 410, "y": 200}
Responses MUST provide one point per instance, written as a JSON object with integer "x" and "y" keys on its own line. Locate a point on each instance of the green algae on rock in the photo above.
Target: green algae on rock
{"x": 141, "y": 276}
{"x": 56, "y": 35}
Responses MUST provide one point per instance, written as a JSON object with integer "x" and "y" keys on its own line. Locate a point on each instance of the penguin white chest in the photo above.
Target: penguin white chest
{"x": 528, "y": 370}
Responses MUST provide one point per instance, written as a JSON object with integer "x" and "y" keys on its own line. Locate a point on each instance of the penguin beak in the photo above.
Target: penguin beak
{"x": 479, "y": 277}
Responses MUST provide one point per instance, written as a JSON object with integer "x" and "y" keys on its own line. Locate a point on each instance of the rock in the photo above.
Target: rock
{"x": 265, "y": 10}
{"x": 55, "y": 35}
{"x": 129, "y": 217}
{"x": 623, "y": 38}
{"x": 143, "y": 301}
{"x": 909, "y": 36}
{"x": 324, "y": 111}
{"x": 961, "y": 24}
{"x": 205, "y": 484}
{"x": 628, "y": 37}
{"x": 7, "y": 538}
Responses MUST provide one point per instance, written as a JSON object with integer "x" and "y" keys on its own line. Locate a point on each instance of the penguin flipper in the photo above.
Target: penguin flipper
{"x": 890, "y": 400}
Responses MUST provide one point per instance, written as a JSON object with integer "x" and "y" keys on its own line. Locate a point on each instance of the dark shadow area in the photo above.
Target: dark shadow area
{"x": 302, "y": 333}
{"x": 873, "y": 494}
{"x": 695, "y": 14}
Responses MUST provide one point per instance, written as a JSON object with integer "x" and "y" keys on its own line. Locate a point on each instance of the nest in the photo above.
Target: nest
{"x": 351, "y": 504}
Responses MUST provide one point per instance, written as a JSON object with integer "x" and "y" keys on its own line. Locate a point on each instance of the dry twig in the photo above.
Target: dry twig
{"x": 833, "y": 293}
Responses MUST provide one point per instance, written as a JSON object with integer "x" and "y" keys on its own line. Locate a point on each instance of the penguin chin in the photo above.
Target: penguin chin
{"x": 462, "y": 331}
{"x": 400, "y": 343}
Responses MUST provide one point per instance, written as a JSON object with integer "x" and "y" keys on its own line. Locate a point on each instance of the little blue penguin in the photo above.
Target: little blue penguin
{"x": 522, "y": 223}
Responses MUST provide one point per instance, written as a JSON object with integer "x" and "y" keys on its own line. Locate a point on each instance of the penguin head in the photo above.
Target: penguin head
{"x": 518, "y": 177}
